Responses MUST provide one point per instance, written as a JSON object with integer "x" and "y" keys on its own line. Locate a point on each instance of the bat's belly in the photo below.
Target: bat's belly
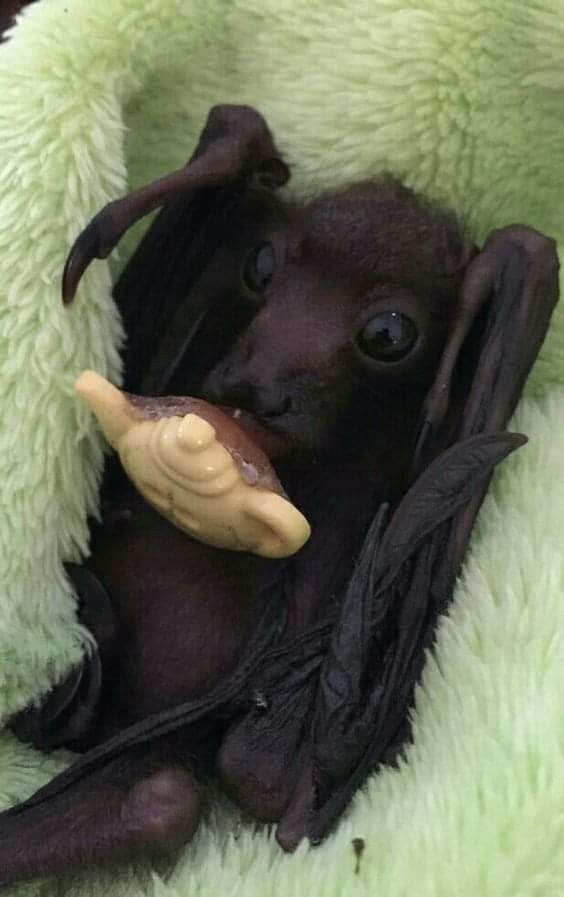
{"x": 185, "y": 611}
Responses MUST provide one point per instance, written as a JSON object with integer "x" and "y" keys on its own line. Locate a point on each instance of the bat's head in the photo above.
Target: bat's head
{"x": 350, "y": 300}
{"x": 326, "y": 320}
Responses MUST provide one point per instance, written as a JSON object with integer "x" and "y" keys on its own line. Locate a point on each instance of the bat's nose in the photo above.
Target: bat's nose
{"x": 238, "y": 388}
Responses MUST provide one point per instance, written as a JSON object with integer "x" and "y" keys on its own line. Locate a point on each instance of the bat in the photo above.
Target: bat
{"x": 386, "y": 354}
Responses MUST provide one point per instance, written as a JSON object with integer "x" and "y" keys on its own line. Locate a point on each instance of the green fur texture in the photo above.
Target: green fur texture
{"x": 463, "y": 99}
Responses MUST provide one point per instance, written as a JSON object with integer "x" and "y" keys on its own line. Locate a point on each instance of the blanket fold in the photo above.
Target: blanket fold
{"x": 463, "y": 99}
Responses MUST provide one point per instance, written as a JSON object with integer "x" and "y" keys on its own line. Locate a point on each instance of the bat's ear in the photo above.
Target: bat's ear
{"x": 512, "y": 284}
{"x": 235, "y": 145}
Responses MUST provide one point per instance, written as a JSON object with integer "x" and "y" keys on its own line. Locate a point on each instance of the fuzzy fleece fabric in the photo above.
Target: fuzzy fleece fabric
{"x": 463, "y": 99}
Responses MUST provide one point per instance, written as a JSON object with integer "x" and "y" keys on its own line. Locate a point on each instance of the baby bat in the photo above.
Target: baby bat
{"x": 384, "y": 355}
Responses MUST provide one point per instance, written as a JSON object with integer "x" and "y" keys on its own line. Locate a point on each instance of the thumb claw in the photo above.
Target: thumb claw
{"x": 86, "y": 247}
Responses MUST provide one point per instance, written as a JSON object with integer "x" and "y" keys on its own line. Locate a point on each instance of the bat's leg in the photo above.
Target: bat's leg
{"x": 137, "y": 805}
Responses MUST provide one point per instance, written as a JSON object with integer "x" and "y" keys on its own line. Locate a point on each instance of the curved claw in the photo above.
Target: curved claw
{"x": 107, "y": 228}
{"x": 86, "y": 247}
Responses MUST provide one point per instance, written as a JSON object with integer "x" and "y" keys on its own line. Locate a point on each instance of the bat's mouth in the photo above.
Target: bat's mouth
{"x": 274, "y": 444}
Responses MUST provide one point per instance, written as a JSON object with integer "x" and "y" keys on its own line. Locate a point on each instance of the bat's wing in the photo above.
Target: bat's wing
{"x": 407, "y": 570}
{"x": 157, "y": 294}
{"x": 235, "y": 144}
{"x": 162, "y": 303}
{"x": 387, "y": 619}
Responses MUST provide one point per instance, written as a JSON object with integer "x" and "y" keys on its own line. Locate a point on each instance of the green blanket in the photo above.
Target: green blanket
{"x": 463, "y": 99}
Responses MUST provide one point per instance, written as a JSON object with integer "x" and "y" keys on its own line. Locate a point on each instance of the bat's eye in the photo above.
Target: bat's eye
{"x": 388, "y": 336}
{"x": 258, "y": 267}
